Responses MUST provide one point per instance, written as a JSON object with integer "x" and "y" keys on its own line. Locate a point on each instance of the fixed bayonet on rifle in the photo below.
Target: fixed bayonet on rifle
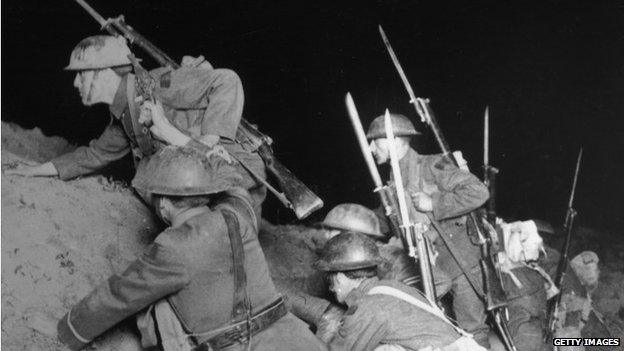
{"x": 489, "y": 172}
{"x": 493, "y": 293}
{"x": 568, "y": 227}
{"x": 384, "y": 191}
{"x": 296, "y": 195}
{"x": 413, "y": 232}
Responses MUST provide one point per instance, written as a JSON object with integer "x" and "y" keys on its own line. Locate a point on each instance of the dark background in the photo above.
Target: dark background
{"x": 552, "y": 73}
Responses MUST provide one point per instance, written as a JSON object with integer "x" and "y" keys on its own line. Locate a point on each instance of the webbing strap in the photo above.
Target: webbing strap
{"x": 240, "y": 307}
{"x": 390, "y": 291}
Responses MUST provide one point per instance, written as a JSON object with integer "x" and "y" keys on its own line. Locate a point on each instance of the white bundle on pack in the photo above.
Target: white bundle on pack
{"x": 523, "y": 245}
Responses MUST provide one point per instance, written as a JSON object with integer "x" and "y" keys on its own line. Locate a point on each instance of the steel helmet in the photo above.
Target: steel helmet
{"x": 348, "y": 251}
{"x": 99, "y": 51}
{"x": 182, "y": 171}
{"x": 401, "y": 125}
{"x": 354, "y": 218}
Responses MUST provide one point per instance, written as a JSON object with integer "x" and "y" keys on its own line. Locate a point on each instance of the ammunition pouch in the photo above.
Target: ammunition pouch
{"x": 242, "y": 331}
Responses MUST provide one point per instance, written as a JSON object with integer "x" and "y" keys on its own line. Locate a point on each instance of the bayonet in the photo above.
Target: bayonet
{"x": 385, "y": 195}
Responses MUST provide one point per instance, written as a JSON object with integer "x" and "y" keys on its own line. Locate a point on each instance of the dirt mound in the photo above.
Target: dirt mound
{"x": 59, "y": 240}
{"x": 290, "y": 251}
{"x": 31, "y": 143}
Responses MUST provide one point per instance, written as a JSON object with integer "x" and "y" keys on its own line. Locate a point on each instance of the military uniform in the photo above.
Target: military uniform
{"x": 196, "y": 101}
{"x": 454, "y": 193}
{"x": 372, "y": 320}
{"x": 527, "y": 308}
{"x": 191, "y": 266}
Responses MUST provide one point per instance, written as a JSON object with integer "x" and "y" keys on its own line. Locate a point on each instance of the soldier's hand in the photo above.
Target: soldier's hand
{"x": 210, "y": 139}
{"x": 330, "y": 323}
{"x": 145, "y": 114}
{"x": 161, "y": 128}
{"x": 422, "y": 202}
{"x": 34, "y": 169}
{"x": 43, "y": 323}
{"x": 199, "y": 62}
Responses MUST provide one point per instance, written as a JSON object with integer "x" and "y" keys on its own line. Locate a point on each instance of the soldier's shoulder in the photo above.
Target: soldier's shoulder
{"x": 173, "y": 236}
{"x": 170, "y": 236}
{"x": 439, "y": 162}
{"x": 444, "y": 163}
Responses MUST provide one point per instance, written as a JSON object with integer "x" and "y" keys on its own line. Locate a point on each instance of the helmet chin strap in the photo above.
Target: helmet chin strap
{"x": 158, "y": 208}
{"x": 91, "y": 86}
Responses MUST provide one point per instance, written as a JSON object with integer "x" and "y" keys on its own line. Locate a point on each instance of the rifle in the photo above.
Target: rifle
{"x": 568, "y": 226}
{"x": 493, "y": 292}
{"x": 412, "y": 231}
{"x": 496, "y": 298}
{"x": 296, "y": 195}
{"x": 383, "y": 191}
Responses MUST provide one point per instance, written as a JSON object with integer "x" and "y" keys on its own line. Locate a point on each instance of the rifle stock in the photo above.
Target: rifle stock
{"x": 302, "y": 199}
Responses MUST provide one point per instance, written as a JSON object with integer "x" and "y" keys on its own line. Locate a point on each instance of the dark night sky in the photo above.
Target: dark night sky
{"x": 551, "y": 71}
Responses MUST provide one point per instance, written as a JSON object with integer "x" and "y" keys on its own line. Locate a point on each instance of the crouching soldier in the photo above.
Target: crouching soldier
{"x": 382, "y": 313}
{"x": 525, "y": 282}
{"x": 204, "y": 283}
{"x": 395, "y": 265}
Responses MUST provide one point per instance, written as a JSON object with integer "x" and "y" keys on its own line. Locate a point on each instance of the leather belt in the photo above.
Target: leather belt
{"x": 239, "y": 332}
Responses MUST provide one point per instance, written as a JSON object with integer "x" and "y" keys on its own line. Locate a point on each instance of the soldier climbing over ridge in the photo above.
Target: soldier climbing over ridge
{"x": 202, "y": 108}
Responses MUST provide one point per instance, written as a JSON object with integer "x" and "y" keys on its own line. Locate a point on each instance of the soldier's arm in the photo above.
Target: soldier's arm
{"x": 362, "y": 329}
{"x": 158, "y": 273}
{"x": 110, "y": 146}
{"x": 460, "y": 191}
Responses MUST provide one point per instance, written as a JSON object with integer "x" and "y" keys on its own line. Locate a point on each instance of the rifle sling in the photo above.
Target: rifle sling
{"x": 141, "y": 132}
{"x": 447, "y": 242}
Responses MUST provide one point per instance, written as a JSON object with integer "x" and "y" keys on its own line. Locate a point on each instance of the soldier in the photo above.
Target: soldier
{"x": 351, "y": 218}
{"x": 525, "y": 283}
{"x": 204, "y": 281}
{"x": 442, "y": 191}
{"x": 203, "y": 108}
{"x": 381, "y": 312}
